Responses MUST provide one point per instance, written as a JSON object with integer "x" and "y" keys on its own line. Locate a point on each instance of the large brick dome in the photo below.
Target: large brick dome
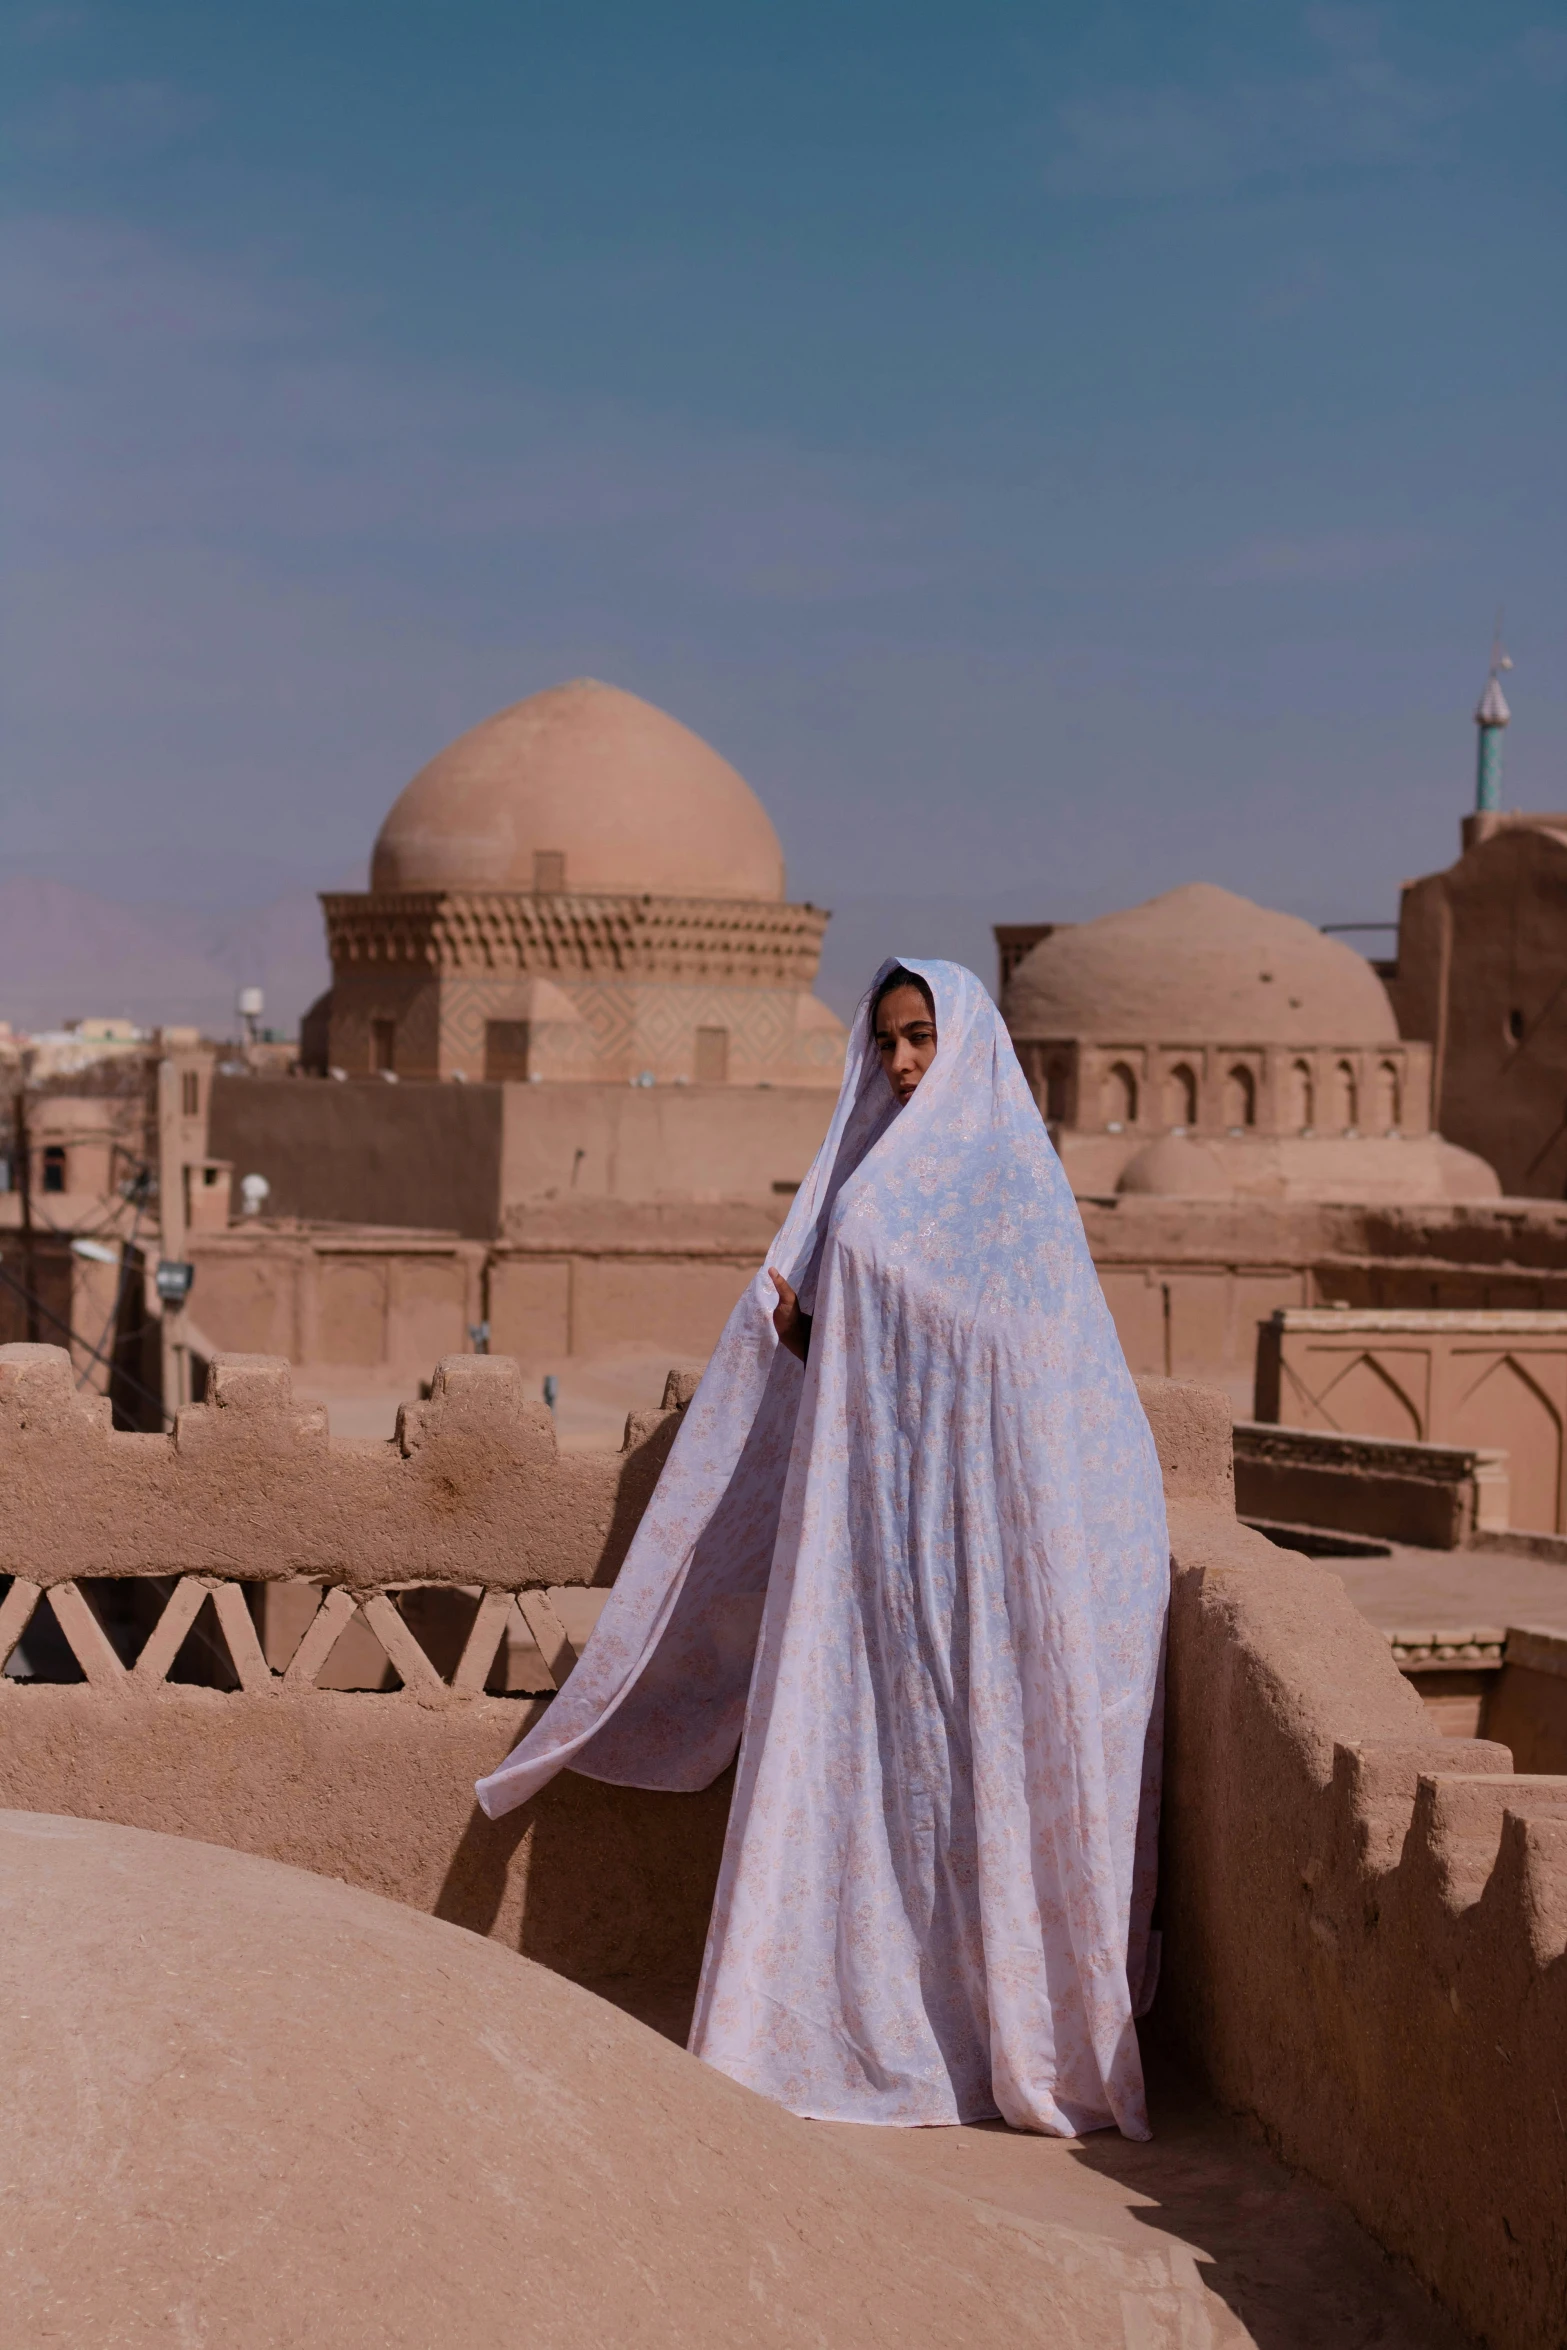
{"x": 1199, "y": 962}
{"x": 586, "y": 789}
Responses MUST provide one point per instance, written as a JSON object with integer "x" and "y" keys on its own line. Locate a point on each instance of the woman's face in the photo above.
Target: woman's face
{"x": 905, "y": 1039}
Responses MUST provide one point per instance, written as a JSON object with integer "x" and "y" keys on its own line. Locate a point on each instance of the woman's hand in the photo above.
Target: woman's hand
{"x": 793, "y": 1327}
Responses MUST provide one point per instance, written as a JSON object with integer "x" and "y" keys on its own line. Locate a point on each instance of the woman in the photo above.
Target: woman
{"x": 910, "y": 1540}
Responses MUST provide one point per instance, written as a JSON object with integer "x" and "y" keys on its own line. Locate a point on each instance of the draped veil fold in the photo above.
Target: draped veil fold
{"x": 920, "y": 1583}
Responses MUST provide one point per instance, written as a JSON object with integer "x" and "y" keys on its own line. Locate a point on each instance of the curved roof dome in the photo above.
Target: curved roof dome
{"x": 581, "y": 788}
{"x": 1196, "y": 963}
{"x": 1176, "y": 1166}
{"x": 252, "y": 2106}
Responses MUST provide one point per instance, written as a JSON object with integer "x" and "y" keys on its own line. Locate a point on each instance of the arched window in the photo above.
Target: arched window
{"x": 1240, "y": 1097}
{"x": 1387, "y": 1119}
{"x": 1302, "y": 1098}
{"x": 1056, "y": 1102}
{"x": 1180, "y": 1095}
{"x": 1120, "y": 1094}
{"x": 1346, "y": 1104}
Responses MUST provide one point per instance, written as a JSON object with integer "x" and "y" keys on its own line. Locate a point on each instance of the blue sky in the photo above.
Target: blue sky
{"x": 1055, "y": 453}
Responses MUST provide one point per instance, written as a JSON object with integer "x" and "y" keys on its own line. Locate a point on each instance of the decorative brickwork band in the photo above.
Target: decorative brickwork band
{"x": 740, "y": 942}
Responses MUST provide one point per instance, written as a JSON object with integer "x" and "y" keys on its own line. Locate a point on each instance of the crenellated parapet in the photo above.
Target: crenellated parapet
{"x": 1365, "y": 1926}
{"x": 257, "y": 1634}
{"x": 251, "y": 1483}
{"x": 455, "y": 1561}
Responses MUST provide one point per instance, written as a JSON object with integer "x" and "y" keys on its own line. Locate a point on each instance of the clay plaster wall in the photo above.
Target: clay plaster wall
{"x": 617, "y": 1215}
{"x": 1479, "y": 976}
{"x": 1526, "y": 1707}
{"x": 548, "y": 1301}
{"x": 1439, "y": 1495}
{"x": 251, "y": 1484}
{"x": 700, "y": 1143}
{"x": 366, "y": 1153}
{"x": 1365, "y": 1923}
{"x": 402, "y": 1300}
{"x": 1481, "y": 1683}
{"x": 1495, "y": 1379}
{"x": 370, "y": 1297}
{"x": 478, "y": 1159}
{"x": 1191, "y": 1282}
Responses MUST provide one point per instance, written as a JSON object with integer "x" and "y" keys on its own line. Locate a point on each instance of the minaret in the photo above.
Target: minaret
{"x": 1491, "y": 716}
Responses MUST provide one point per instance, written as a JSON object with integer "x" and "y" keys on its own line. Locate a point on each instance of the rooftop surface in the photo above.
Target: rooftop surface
{"x": 1256, "y": 2255}
{"x": 1414, "y": 1589}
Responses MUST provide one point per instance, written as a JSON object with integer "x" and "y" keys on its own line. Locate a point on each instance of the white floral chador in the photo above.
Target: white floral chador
{"x": 920, "y": 1582}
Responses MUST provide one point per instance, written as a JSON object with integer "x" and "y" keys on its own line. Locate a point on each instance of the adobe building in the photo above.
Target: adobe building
{"x": 1202, "y": 1047}
{"x": 1248, "y": 1136}
{"x": 95, "y": 1119}
{"x": 579, "y": 891}
{"x": 574, "y": 989}
{"x": 569, "y": 1073}
{"x": 1481, "y": 977}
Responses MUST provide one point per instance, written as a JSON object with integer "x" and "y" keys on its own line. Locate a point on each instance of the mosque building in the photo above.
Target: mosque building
{"x": 1200, "y": 1046}
{"x": 578, "y": 889}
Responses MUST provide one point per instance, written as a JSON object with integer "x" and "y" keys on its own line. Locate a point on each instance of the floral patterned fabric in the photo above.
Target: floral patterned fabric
{"x": 921, "y": 1583}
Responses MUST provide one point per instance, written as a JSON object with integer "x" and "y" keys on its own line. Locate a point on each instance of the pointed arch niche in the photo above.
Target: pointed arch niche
{"x": 1505, "y": 1406}
{"x": 1120, "y": 1095}
{"x": 1240, "y": 1096}
{"x": 1367, "y": 1399}
{"x": 1180, "y": 1095}
{"x": 1346, "y": 1098}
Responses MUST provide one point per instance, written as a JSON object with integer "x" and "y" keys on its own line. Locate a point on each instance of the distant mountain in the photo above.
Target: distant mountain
{"x": 66, "y": 954}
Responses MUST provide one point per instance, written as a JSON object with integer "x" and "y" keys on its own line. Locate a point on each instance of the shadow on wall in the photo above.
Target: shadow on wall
{"x": 619, "y": 1880}
{"x": 1201, "y": 2179}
